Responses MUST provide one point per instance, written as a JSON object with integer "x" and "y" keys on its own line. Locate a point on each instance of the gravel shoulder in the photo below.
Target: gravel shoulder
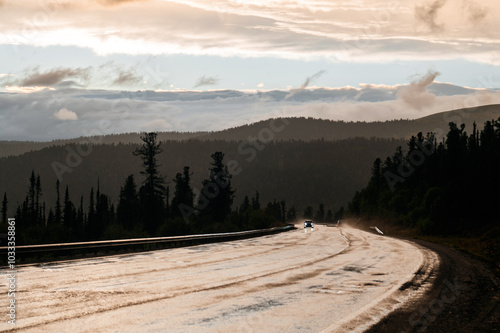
{"x": 463, "y": 297}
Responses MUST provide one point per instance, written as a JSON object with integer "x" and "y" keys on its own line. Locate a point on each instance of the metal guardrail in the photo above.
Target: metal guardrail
{"x": 54, "y": 250}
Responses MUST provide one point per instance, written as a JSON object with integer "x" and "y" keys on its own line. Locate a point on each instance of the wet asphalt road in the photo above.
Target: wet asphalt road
{"x": 329, "y": 280}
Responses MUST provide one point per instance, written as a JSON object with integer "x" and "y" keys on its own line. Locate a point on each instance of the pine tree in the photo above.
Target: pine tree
{"x": 274, "y": 211}
{"x": 152, "y": 193}
{"x": 50, "y": 218}
{"x": 291, "y": 215}
{"x": 245, "y": 206}
{"x": 329, "y": 216}
{"x": 43, "y": 215}
{"x": 283, "y": 211}
{"x": 91, "y": 228}
{"x": 58, "y": 213}
{"x": 102, "y": 212}
{"x": 69, "y": 214}
{"x": 40, "y": 214}
{"x": 217, "y": 196}
{"x": 339, "y": 214}
{"x": 167, "y": 202}
{"x": 128, "y": 209}
{"x": 5, "y": 203}
{"x": 256, "y": 201}
{"x": 32, "y": 214}
{"x": 154, "y": 182}
{"x": 183, "y": 200}
{"x": 320, "y": 214}
{"x": 308, "y": 212}
{"x": 80, "y": 217}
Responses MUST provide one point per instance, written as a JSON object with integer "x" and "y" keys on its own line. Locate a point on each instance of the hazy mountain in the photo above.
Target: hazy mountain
{"x": 294, "y": 129}
{"x": 14, "y": 148}
{"x": 313, "y": 129}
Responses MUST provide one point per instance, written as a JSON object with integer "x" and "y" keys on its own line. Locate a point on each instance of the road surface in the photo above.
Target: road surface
{"x": 329, "y": 280}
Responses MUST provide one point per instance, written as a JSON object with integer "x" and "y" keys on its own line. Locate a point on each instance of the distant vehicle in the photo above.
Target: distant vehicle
{"x": 309, "y": 224}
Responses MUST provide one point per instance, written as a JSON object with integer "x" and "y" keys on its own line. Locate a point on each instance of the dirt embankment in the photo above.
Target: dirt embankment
{"x": 464, "y": 298}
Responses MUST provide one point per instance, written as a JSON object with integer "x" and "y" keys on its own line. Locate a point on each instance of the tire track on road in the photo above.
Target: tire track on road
{"x": 203, "y": 288}
{"x": 306, "y": 275}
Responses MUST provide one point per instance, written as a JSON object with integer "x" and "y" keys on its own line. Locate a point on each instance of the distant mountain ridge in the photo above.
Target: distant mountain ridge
{"x": 305, "y": 129}
{"x": 308, "y": 129}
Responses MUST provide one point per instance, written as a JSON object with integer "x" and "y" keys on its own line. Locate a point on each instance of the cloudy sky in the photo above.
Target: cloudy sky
{"x": 72, "y": 68}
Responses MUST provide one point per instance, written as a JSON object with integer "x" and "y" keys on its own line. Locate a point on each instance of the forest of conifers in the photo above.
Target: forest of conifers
{"x": 96, "y": 191}
{"x": 440, "y": 188}
{"x": 316, "y": 178}
{"x": 145, "y": 210}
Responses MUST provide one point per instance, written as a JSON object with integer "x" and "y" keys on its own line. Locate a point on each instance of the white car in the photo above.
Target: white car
{"x": 309, "y": 224}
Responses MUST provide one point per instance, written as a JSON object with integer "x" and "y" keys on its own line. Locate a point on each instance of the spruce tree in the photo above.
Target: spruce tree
{"x": 320, "y": 214}
{"x": 4, "y": 207}
{"x": 91, "y": 229}
{"x": 217, "y": 195}
{"x": 291, "y": 214}
{"x": 40, "y": 214}
{"x": 69, "y": 215}
{"x": 256, "y": 201}
{"x": 32, "y": 214}
{"x": 308, "y": 212}
{"x": 58, "y": 213}
{"x": 128, "y": 210}
{"x": 152, "y": 192}
{"x": 183, "y": 200}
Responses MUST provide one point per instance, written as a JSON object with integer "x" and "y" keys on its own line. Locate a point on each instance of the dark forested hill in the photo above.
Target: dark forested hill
{"x": 313, "y": 129}
{"x": 302, "y": 173}
{"x": 305, "y": 129}
{"x": 13, "y": 148}
{"x": 302, "y": 161}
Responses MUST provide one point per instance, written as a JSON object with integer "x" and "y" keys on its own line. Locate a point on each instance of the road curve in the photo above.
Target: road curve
{"x": 329, "y": 280}
{"x": 464, "y": 297}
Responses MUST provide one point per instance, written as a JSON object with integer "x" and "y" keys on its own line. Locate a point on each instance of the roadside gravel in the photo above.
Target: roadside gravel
{"x": 464, "y": 297}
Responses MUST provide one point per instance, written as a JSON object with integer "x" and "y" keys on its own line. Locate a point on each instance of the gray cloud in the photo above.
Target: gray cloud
{"x": 206, "y": 81}
{"x": 427, "y": 14}
{"x": 127, "y": 77}
{"x": 416, "y": 94}
{"x": 476, "y": 12}
{"x": 305, "y": 84}
{"x": 55, "y": 77}
{"x": 96, "y": 112}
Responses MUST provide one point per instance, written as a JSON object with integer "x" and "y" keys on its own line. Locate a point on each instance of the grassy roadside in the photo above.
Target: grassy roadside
{"x": 483, "y": 245}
